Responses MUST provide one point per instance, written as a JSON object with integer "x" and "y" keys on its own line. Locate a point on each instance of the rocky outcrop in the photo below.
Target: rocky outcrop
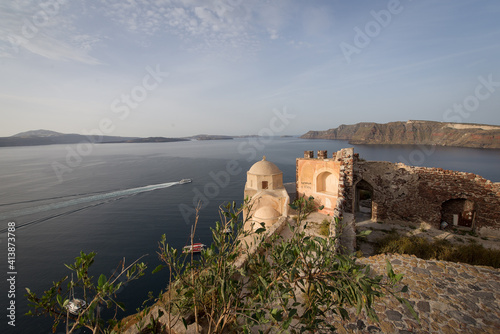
{"x": 414, "y": 133}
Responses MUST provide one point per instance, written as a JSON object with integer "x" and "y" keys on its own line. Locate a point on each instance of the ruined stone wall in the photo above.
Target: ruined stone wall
{"x": 401, "y": 192}
{"x": 346, "y": 191}
{"x": 418, "y": 193}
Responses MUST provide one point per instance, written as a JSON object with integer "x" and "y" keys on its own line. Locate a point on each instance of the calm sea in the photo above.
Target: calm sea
{"x": 118, "y": 199}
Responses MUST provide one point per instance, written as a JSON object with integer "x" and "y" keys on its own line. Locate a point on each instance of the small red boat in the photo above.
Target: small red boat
{"x": 195, "y": 248}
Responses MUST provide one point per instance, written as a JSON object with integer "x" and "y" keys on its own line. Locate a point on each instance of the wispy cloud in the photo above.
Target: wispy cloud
{"x": 61, "y": 30}
{"x": 43, "y": 29}
{"x": 51, "y": 48}
{"x": 203, "y": 26}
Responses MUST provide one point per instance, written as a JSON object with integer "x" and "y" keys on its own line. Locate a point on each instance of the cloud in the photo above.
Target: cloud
{"x": 45, "y": 30}
{"x": 224, "y": 26}
{"x": 70, "y": 30}
{"x": 55, "y": 49}
{"x": 273, "y": 33}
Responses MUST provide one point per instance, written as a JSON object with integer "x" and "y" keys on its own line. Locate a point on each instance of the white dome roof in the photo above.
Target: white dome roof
{"x": 264, "y": 167}
{"x": 266, "y": 212}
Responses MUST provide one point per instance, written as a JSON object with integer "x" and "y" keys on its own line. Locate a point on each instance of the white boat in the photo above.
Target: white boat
{"x": 185, "y": 181}
{"x": 75, "y": 306}
{"x": 194, "y": 248}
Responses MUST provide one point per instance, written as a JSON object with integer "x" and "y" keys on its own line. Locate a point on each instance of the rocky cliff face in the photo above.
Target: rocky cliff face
{"x": 414, "y": 132}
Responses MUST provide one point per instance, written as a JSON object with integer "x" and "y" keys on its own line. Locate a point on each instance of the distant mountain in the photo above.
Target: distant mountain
{"x": 46, "y": 137}
{"x": 414, "y": 132}
{"x": 37, "y": 133}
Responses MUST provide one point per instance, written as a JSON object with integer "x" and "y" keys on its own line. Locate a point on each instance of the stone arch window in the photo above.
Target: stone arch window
{"x": 326, "y": 182}
{"x": 458, "y": 212}
{"x": 265, "y": 185}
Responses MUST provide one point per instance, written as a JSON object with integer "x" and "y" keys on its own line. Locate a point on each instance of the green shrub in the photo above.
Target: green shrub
{"x": 287, "y": 285}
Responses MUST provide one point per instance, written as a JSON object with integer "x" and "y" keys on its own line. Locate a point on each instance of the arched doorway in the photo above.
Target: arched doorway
{"x": 458, "y": 212}
{"x": 363, "y": 198}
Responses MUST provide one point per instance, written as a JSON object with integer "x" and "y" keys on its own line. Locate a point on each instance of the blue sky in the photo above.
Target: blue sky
{"x": 184, "y": 67}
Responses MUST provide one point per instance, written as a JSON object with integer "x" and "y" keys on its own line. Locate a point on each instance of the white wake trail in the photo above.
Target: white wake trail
{"x": 83, "y": 200}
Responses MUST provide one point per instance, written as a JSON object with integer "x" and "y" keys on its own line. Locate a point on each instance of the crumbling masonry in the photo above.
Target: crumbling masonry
{"x": 399, "y": 192}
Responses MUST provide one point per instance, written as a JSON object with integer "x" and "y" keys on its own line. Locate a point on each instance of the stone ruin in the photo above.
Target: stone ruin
{"x": 395, "y": 191}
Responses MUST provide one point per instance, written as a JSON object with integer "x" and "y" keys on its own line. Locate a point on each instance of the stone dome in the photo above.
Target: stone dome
{"x": 264, "y": 167}
{"x": 266, "y": 213}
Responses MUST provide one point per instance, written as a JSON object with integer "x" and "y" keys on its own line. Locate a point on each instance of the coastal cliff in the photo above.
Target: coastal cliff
{"x": 414, "y": 133}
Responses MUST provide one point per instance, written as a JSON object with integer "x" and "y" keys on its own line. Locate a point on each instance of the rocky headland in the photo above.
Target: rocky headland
{"x": 414, "y": 133}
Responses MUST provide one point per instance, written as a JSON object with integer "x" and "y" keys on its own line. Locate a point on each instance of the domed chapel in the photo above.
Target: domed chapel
{"x": 268, "y": 197}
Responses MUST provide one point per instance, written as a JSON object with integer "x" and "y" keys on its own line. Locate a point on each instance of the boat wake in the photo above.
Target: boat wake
{"x": 93, "y": 200}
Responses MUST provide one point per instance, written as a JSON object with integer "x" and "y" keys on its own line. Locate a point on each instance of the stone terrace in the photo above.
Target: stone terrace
{"x": 449, "y": 298}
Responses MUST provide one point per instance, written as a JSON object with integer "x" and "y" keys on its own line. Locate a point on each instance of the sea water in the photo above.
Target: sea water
{"x": 118, "y": 199}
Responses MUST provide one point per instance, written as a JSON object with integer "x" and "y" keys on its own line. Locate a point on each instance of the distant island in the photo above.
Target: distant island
{"x": 219, "y": 137}
{"x": 149, "y": 140}
{"x": 210, "y": 137}
{"x": 414, "y": 133}
{"x": 47, "y": 137}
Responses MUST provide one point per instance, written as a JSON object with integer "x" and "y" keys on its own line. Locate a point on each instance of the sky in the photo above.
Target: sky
{"x": 177, "y": 68}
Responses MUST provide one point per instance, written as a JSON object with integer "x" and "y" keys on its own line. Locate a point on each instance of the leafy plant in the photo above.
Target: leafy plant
{"x": 246, "y": 281}
{"x": 288, "y": 284}
{"x": 304, "y": 207}
{"x": 208, "y": 290}
{"x": 55, "y": 301}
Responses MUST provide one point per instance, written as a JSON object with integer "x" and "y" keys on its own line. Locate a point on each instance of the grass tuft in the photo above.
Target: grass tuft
{"x": 324, "y": 228}
{"x": 440, "y": 249}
